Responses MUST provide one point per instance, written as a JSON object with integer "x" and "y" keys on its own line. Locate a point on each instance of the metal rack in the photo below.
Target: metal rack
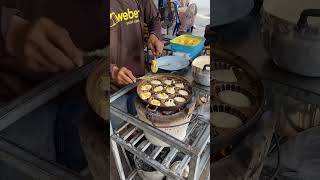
{"x": 17, "y": 156}
{"x": 194, "y": 147}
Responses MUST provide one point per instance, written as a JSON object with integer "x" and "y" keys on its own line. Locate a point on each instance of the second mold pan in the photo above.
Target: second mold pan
{"x": 236, "y": 96}
{"x": 248, "y": 85}
{"x": 226, "y": 119}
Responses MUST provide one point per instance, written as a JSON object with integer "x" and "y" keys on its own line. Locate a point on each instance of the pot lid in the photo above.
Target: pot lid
{"x": 225, "y": 12}
{"x": 290, "y": 10}
{"x": 201, "y": 61}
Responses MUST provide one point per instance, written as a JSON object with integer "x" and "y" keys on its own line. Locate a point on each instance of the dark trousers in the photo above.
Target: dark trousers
{"x": 130, "y": 103}
{"x": 72, "y": 108}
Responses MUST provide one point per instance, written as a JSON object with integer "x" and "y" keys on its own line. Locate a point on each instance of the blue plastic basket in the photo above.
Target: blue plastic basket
{"x": 192, "y": 51}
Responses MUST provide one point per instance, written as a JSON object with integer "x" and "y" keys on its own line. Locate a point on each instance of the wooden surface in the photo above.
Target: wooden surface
{"x": 95, "y": 143}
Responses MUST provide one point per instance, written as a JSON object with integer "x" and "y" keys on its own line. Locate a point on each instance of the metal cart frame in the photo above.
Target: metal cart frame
{"x": 197, "y": 154}
{"x": 22, "y": 159}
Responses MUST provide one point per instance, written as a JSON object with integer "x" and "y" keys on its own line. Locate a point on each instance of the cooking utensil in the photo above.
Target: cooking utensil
{"x": 96, "y": 54}
{"x": 143, "y": 78}
{"x": 172, "y": 63}
{"x": 175, "y": 124}
{"x": 291, "y": 35}
{"x": 201, "y": 70}
{"x": 154, "y": 65}
{"x": 225, "y": 12}
{"x": 146, "y": 77}
{"x": 165, "y": 65}
{"x": 249, "y": 82}
{"x": 231, "y": 20}
{"x": 162, "y": 77}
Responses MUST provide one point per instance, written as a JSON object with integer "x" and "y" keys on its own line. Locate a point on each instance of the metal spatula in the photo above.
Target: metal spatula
{"x": 154, "y": 65}
{"x": 96, "y": 54}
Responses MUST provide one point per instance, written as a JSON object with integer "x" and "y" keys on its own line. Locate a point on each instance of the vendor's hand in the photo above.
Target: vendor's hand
{"x": 44, "y": 46}
{"x": 155, "y": 45}
{"x": 122, "y": 76}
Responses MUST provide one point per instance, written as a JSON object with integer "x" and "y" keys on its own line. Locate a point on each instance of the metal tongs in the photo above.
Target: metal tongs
{"x": 154, "y": 65}
{"x": 145, "y": 77}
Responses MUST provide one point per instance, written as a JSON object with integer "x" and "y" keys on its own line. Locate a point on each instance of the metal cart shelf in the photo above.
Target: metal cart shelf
{"x": 20, "y": 158}
{"x": 194, "y": 147}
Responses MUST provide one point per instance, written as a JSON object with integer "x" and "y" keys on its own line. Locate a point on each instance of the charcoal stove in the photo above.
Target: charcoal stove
{"x": 138, "y": 134}
{"x": 174, "y": 123}
{"x": 173, "y": 120}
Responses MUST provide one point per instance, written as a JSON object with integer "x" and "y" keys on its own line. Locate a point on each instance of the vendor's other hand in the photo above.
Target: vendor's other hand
{"x": 155, "y": 45}
{"x": 122, "y": 76}
{"x": 44, "y": 46}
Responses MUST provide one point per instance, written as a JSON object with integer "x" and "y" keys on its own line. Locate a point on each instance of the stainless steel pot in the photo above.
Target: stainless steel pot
{"x": 201, "y": 70}
{"x": 231, "y": 20}
{"x": 291, "y": 35}
{"x": 225, "y": 12}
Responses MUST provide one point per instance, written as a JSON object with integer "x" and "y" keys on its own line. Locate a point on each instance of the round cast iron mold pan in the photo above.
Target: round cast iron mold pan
{"x": 163, "y": 77}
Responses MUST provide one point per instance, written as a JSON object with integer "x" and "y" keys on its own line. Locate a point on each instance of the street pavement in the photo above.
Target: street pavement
{"x": 203, "y": 16}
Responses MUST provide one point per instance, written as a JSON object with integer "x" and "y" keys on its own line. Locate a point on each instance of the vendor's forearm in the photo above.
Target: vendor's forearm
{"x": 13, "y": 36}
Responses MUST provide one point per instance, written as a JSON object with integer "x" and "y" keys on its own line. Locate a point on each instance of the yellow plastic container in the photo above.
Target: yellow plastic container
{"x": 187, "y": 40}
{"x": 192, "y": 45}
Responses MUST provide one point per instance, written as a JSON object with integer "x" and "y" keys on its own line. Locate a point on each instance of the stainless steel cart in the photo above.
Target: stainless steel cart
{"x": 197, "y": 154}
{"x": 16, "y": 156}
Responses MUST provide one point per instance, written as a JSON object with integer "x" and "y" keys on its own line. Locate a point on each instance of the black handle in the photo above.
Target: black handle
{"x": 151, "y": 108}
{"x": 205, "y": 67}
{"x": 167, "y": 43}
{"x": 303, "y": 21}
{"x": 210, "y": 35}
